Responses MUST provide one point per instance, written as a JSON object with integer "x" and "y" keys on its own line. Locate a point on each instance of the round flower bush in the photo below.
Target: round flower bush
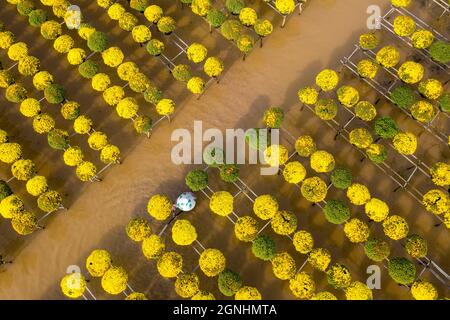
{"x": 411, "y": 72}
{"x": 324, "y": 295}
{"x": 422, "y": 39}
{"x": 221, "y": 203}
{"x": 377, "y": 250}
{"x": 197, "y": 52}
{"x": 423, "y": 290}
{"x": 283, "y": 266}
{"x": 339, "y": 276}
{"x": 308, "y": 95}
{"x": 170, "y": 264}
{"x": 265, "y": 207}
{"x": 341, "y": 178}
{"x": 263, "y": 247}
{"x": 403, "y": 96}
{"x": 436, "y": 201}
{"x": 73, "y": 285}
{"x": 212, "y": 262}
{"x": 273, "y": 117}
{"x": 416, "y": 246}
{"x": 440, "y": 174}
{"x": 231, "y": 29}
{"x": 246, "y": 228}
{"x": 368, "y": 41}
{"x": 326, "y": 109}
{"x": 376, "y": 209}
{"x": 367, "y": 68}
{"x": 404, "y": 26}
{"x": 322, "y": 161}
{"x": 431, "y": 88}
{"x": 138, "y": 229}
{"x": 327, "y": 79}
{"x": 98, "y": 262}
{"x": 284, "y": 223}
{"x": 365, "y": 111}
{"x": 263, "y": 27}
{"x": 358, "y": 194}
{"x": 405, "y": 142}
{"x": 361, "y": 138}
{"x": 388, "y": 56}
{"x": 319, "y": 258}
{"x": 187, "y": 285}
{"x": 276, "y": 155}
{"x": 247, "y": 293}
{"x": 336, "y": 211}
{"x": 159, "y": 207}
{"x": 114, "y": 280}
{"x": 422, "y": 111}
{"x": 302, "y": 285}
{"x": 377, "y": 153}
{"x": 215, "y": 17}
{"x": 303, "y": 241}
{"x": 401, "y": 270}
{"x": 294, "y": 172}
{"x": 348, "y": 96}
{"x": 358, "y": 291}
{"x": 356, "y": 230}
{"x": 395, "y": 227}
{"x": 155, "y": 47}
{"x": 153, "y": 247}
{"x": 314, "y": 189}
{"x": 305, "y": 146}
{"x": 197, "y": 180}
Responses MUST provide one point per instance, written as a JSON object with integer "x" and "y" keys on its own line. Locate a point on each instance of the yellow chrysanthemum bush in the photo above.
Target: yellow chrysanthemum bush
{"x": 265, "y": 206}
{"x": 196, "y": 85}
{"x": 308, "y": 95}
{"x": 314, "y": 189}
{"x": 114, "y": 280}
{"x": 73, "y": 156}
{"x": 423, "y": 290}
{"x": 339, "y": 276}
{"x": 367, "y": 68}
{"x": 319, "y": 258}
{"x": 284, "y": 222}
{"x": 153, "y": 247}
{"x": 285, "y": 7}
{"x": 37, "y": 185}
{"x": 212, "y": 262}
{"x": 247, "y": 293}
{"x": 401, "y": 3}
{"x": 327, "y": 79}
{"x": 411, "y": 72}
{"x": 431, "y": 88}
{"x": 302, "y": 285}
{"x": 86, "y": 171}
{"x": 356, "y": 230}
{"x": 159, "y": 207}
{"x": 197, "y": 52}
{"x": 248, "y": 16}
{"x": 294, "y": 172}
{"x": 73, "y": 285}
{"x": 404, "y": 26}
{"x": 305, "y": 146}
{"x": 422, "y": 39}
{"x": 422, "y": 111}
{"x": 388, "y": 56}
{"x": 165, "y": 107}
{"x": 101, "y": 82}
{"x": 436, "y": 201}
{"x": 187, "y": 285}
{"x": 10, "y": 152}
{"x": 98, "y": 262}
{"x": 440, "y": 174}
{"x": 170, "y": 264}
{"x": 405, "y": 142}
{"x": 361, "y": 138}
{"x": 376, "y": 209}
{"x": 322, "y": 161}
{"x": 303, "y": 241}
{"x": 283, "y": 266}
{"x": 11, "y": 206}
{"x": 358, "y": 194}
{"x": 213, "y": 67}
{"x": 358, "y": 291}
{"x": 348, "y": 96}
{"x": 183, "y": 232}
{"x": 138, "y": 229}
{"x": 221, "y": 203}
{"x": 276, "y": 155}
{"x": 246, "y": 228}
{"x": 395, "y": 227}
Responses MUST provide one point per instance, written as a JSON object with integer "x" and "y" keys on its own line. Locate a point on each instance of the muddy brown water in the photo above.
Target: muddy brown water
{"x": 270, "y": 76}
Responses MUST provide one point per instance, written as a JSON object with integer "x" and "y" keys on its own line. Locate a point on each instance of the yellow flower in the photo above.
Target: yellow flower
{"x": 42, "y": 79}
{"x": 116, "y": 11}
{"x": 196, "y": 85}
{"x": 63, "y": 43}
{"x": 361, "y": 138}
{"x": 265, "y": 206}
{"x": 285, "y": 6}
{"x": 30, "y": 107}
{"x": 423, "y": 290}
{"x": 127, "y": 108}
{"x": 105, "y": 3}
{"x": 339, "y": 276}
{"x": 246, "y": 228}
{"x": 324, "y": 295}
{"x": 368, "y": 41}
{"x": 263, "y": 27}
{"x": 73, "y": 156}
{"x": 183, "y": 232}
{"x": 273, "y": 117}
{"x": 197, "y": 52}
{"x": 18, "y": 51}
{"x": 86, "y": 171}
{"x": 411, "y": 72}
{"x": 153, "y": 247}
{"x": 73, "y": 285}
{"x": 247, "y": 293}
{"x": 187, "y": 285}
{"x": 141, "y": 33}
{"x": 82, "y": 125}
{"x": 24, "y": 223}
{"x": 213, "y": 67}
{"x": 327, "y": 79}
{"x": 440, "y": 174}
{"x": 10, "y": 152}
{"x": 212, "y": 262}
{"x": 404, "y": 26}
{"x": 114, "y": 280}
{"x": 303, "y": 241}
{"x": 348, "y": 96}
{"x": 422, "y": 39}
{"x": 153, "y": 13}
{"x": 395, "y": 227}
{"x": 294, "y": 172}
{"x": 276, "y": 155}
{"x": 98, "y": 262}
{"x": 7, "y": 39}
{"x": 248, "y": 16}
{"x": 221, "y": 203}
{"x": 85, "y": 31}
{"x": 322, "y": 161}
{"x": 358, "y": 194}
{"x": 314, "y": 189}
{"x": 113, "y": 95}
{"x": 388, "y": 56}
{"x": 308, "y": 95}
{"x": 138, "y": 229}
{"x": 422, "y": 111}
{"x": 283, "y": 266}
{"x": 358, "y": 291}
{"x": 170, "y": 264}
{"x": 165, "y": 107}
{"x": 37, "y": 185}
{"x": 436, "y": 202}
{"x": 23, "y": 169}
{"x": 203, "y": 295}
{"x": 305, "y": 146}
{"x": 127, "y": 70}
{"x": 101, "y": 82}
{"x": 365, "y": 111}
{"x": 405, "y": 142}
{"x": 431, "y": 88}
{"x": 319, "y": 258}
{"x": 112, "y": 57}
{"x": 200, "y": 7}
{"x": 401, "y": 3}
{"x": 284, "y": 223}
{"x": 376, "y": 209}
{"x": 136, "y": 296}
{"x": 302, "y": 285}
{"x": 159, "y": 207}
{"x": 326, "y": 109}
{"x": 76, "y": 56}
{"x": 11, "y": 206}
{"x": 367, "y": 68}
{"x": 356, "y": 230}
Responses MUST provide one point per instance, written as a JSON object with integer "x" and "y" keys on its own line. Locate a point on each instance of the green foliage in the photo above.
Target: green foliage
{"x": 196, "y": 180}
{"x": 402, "y": 270}
{"x": 54, "y": 93}
{"x": 403, "y": 96}
{"x": 37, "y": 17}
{"x": 263, "y": 247}
{"x": 386, "y": 127}
{"x": 336, "y": 212}
{"x": 98, "y": 41}
{"x": 341, "y": 178}
{"x": 139, "y": 5}
{"x": 377, "y": 250}
{"x": 153, "y": 94}
{"x": 229, "y": 282}
{"x": 5, "y": 190}
{"x": 215, "y": 17}
{"x": 24, "y": 7}
{"x": 88, "y": 69}
{"x": 58, "y": 139}
{"x": 235, "y": 6}
{"x": 440, "y": 52}
{"x": 229, "y": 172}
{"x": 444, "y": 102}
